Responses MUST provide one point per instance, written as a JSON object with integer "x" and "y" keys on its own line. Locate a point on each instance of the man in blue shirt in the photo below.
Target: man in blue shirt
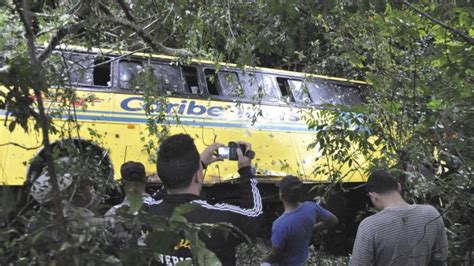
{"x": 292, "y": 231}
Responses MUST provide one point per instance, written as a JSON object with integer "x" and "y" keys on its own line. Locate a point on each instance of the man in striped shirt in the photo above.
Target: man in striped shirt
{"x": 180, "y": 168}
{"x": 400, "y": 234}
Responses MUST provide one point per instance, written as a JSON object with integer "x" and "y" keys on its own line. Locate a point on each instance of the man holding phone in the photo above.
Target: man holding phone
{"x": 180, "y": 168}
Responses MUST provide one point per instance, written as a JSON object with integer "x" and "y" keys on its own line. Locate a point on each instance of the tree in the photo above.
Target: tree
{"x": 416, "y": 57}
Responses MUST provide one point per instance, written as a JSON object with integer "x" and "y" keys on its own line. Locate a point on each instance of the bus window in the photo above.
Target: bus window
{"x": 268, "y": 88}
{"x": 324, "y": 92}
{"x": 261, "y": 87}
{"x": 128, "y": 71}
{"x": 250, "y": 79}
{"x": 80, "y": 70}
{"x": 229, "y": 84}
{"x": 299, "y": 91}
{"x": 191, "y": 79}
{"x": 102, "y": 71}
{"x": 348, "y": 95}
{"x": 285, "y": 89}
{"x": 293, "y": 90}
{"x": 211, "y": 81}
{"x": 223, "y": 83}
{"x": 168, "y": 78}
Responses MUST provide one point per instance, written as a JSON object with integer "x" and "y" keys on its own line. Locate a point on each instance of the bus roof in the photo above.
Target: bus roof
{"x": 138, "y": 53}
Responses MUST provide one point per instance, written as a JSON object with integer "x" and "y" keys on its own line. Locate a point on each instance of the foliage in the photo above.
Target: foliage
{"x": 417, "y": 60}
{"x": 418, "y": 114}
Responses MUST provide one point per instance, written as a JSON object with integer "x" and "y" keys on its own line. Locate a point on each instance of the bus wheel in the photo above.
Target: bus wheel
{"x": 78, "y": 162}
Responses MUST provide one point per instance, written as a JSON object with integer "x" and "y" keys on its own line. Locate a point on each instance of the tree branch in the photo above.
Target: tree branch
{"x": 23, "y": 9}
{"x": 104, "y": 9}
{"x": 126, "y": 10}
{"x": 156, "y": 46}
{"x": 21, "y": 146}
{"x": 457, "y": 32}
{"x": 63, "y": 32}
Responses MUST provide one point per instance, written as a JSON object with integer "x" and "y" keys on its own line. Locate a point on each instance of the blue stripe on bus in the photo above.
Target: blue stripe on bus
{"x": 189, "y": 123}
{"x": 185, "y": 121}
{"x": 181, "y": 116}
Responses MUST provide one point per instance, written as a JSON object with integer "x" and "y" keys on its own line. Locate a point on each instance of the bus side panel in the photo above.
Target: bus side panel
{"x": 131, "y": 137}
{"x": 312, "y": 159}
{"x": 14, "y": 158}
{"x": 270, "y": 136}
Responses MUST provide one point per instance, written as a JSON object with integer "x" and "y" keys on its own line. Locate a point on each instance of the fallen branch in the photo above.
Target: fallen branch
{"x": 156, "y": 46}
{"x": 60, "y": 34}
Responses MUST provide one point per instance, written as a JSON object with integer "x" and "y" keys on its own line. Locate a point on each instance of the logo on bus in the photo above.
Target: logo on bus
{"x": 134, "y": 104}
{"x": 190, "y": 107}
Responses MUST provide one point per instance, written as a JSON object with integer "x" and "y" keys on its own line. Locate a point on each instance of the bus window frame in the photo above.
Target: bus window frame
{"x": 92, "y": 56}
{"x": 239, "y": 83}
{"x": 332, "y": 83}
{"x": 259, "y": 77}
{"x": 202, "y": 92}
{"x": 291, "y": 95}
{"x": 308, "y": 82}
{"x": 181, "y": 87}
{"x": 119, "y": 80}
{"x": 220, "y": 95}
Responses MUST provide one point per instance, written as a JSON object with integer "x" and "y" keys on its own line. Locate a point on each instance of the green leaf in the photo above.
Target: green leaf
{"x": 465, "y": 20}
{"x": 162, "y": 241}
{"x": 136, "y": 201}
{"x": 434, "y": 104}
{"x": 178, "y": 213}
{"x": 12, "y": 126}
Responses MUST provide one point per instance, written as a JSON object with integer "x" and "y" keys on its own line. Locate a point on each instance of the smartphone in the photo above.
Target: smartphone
{"x": 223, "y": 152}
{"x": 230, "y": 152}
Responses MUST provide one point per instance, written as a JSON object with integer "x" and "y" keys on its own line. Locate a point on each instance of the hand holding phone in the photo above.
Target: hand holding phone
{"x": 230, "y": 152}
{"x": 223, "y": 152}
{"x": 209, "y": 155}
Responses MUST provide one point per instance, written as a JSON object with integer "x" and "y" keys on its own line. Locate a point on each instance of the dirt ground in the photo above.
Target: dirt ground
{"x": 252, "y": 254}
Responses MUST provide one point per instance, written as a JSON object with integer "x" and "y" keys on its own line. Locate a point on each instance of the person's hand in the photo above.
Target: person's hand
{"x": 209, "y": 155}
{"x": 243, "y": 161}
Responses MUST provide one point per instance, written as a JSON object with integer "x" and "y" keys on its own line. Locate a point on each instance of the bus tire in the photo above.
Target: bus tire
{"x": 62, "y": 149}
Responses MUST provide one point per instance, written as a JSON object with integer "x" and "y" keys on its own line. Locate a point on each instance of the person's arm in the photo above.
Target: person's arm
{"x": 274, "y": 256}
{"x": 248, "y": 216}
{"x": 209, "y": 155}
{"x": 324, "y": 218}
{"x": 363, "y": 250}
{"x": 326, "y": 222}
{"x": 249, "y": 193}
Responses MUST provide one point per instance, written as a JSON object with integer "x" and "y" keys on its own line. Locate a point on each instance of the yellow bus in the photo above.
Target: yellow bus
{"x": 210, "y": 101}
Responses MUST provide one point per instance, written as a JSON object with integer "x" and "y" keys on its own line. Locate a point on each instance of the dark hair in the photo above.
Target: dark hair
{"x": 133, "y": 172}
{"x": 290, "y": 187}
{"x": 178, "y": 160}
{"x": 381, "y": 181}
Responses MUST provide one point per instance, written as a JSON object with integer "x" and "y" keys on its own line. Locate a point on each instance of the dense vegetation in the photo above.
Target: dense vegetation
{"x": 417, "y": 57}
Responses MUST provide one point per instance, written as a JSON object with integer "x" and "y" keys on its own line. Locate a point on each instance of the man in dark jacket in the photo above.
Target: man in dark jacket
{"x": 180, "y": 168}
